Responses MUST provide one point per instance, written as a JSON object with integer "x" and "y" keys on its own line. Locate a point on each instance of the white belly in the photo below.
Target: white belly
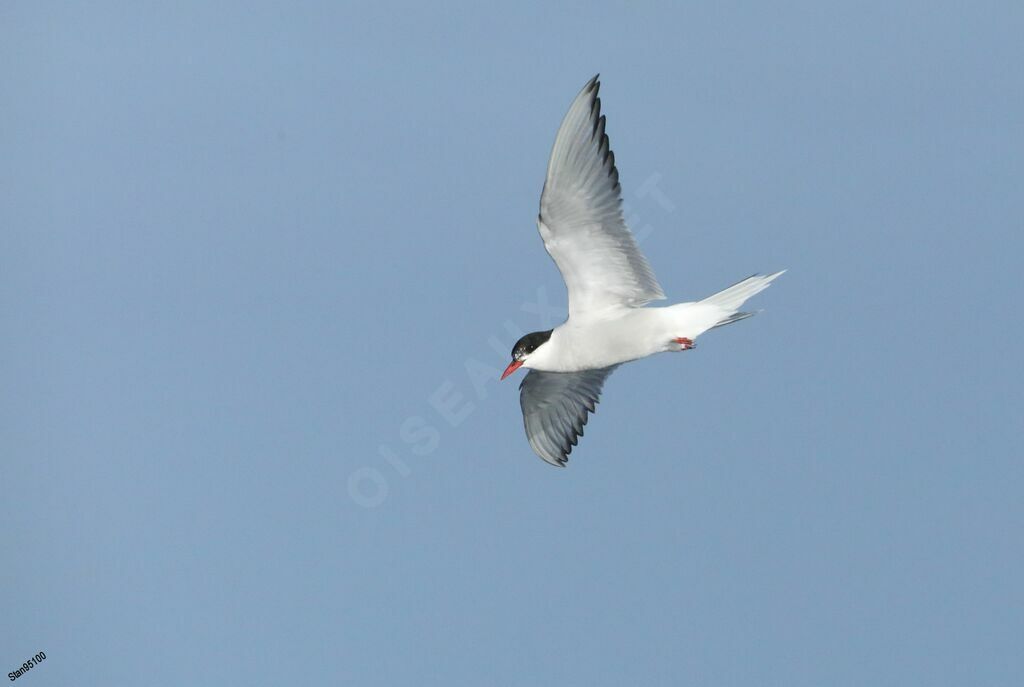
{"x": 627, "y": 334}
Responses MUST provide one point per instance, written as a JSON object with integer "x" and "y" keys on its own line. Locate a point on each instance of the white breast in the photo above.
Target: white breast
{"x": 599, "y": 342}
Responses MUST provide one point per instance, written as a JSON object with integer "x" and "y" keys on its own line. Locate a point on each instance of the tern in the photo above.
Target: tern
{"x": 609, "y": 283}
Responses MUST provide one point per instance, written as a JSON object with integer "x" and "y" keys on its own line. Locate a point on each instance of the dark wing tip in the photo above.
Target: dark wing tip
{"x": 599, "y": 133}
{"x": 599, "y": 124}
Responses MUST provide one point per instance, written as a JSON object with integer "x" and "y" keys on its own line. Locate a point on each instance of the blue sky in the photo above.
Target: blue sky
{"x": 262, "y": 264}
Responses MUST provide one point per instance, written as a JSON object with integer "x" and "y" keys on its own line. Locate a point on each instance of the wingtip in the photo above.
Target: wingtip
{"x": 553, "y": 461}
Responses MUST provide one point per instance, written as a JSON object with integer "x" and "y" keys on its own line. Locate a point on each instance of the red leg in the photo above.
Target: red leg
{"x": 687, "y": 344}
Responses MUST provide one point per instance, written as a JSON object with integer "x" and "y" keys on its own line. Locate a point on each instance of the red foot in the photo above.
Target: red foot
{"x": 686, "y": 344}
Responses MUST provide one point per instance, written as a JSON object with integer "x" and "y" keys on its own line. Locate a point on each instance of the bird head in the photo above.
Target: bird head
{"x": 524, "y": 348}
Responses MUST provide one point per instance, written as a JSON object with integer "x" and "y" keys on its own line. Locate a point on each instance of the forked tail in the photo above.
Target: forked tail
{"x": 731, "y": 299}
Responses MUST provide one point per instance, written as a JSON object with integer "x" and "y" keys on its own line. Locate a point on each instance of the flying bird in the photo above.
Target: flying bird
{"x": 609, "y": 283}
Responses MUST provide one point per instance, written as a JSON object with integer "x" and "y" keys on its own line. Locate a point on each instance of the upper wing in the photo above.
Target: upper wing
{"x": 555, "y": 406}
{"x": 581, "y": 216}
